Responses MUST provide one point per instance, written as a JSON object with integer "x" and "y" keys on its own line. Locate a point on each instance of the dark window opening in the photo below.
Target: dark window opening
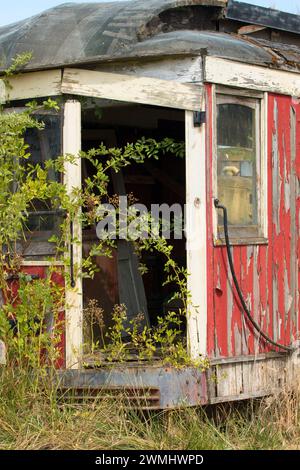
{"x": 45, "y": 217}
{"x": 155, "y": 182}
{"x": 44, "y": 145}
{"x": 238, "y": 159}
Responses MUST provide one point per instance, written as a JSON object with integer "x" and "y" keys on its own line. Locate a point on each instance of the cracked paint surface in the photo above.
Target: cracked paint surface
{"x": 269, "y": 274}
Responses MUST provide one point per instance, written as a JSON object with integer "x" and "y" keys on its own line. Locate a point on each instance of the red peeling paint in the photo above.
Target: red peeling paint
{"x": 269, "y": 274}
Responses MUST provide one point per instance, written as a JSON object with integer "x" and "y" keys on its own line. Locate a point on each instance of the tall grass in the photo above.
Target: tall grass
{"x": 32, "y": 417}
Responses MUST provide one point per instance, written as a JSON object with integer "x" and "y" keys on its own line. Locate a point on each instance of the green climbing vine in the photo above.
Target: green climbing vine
{"x": 30, "y": 311}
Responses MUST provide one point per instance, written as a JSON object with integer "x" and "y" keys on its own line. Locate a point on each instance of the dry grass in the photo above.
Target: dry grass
{"x": 32, "y": 418}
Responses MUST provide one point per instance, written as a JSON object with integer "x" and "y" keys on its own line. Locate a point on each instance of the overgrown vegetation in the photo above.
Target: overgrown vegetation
{"x": 166, "y": 336}
{"x": 33, "y": 415}
{"x": 26, "y": 305}
{"x": 30, "y": 321}
{"x": 32, "y": 419}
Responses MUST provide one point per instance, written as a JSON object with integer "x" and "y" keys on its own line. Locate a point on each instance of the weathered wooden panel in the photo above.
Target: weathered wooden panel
{"x": 296, "y": 157}
{"x": 281, "y": 217}
{"x": 72, "y": 180}
{"x": 246, "y": 274}
{"x": 212, "y": 285}
{"x": 40, "y": 270}
{"x": 227, "y": 72}
{"x": 196, "y": 235}
{"x": 265, "y": 313}
{"x": 220, "y": 305}
{"x": 31, "y": 85}
{"x": 236, "y": 339}
{"x": 216, "y": 283}
{"x": 184, "y": 70}
{"x": 268, "y": 274}
{"x": 132, "y": 89}
{"x": 252, "y": 378}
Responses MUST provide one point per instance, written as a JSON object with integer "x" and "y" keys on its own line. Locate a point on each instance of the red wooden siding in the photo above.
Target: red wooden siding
{"x": 57, "y": 278}
{"x": 268, "y": 274}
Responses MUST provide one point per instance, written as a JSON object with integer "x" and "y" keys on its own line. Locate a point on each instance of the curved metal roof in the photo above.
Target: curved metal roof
{"x": 75, "y": 32}
{"x": 82, "y": 33}
{"x": 205, "y": 42}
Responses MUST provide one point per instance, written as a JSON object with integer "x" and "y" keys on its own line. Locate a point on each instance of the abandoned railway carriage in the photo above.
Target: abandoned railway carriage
{"x": 225, "y": 78}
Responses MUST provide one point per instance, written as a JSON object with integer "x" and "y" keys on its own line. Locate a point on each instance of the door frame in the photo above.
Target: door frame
{"x": 195, "y": 230}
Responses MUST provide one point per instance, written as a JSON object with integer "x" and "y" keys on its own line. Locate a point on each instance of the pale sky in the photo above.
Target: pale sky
{"x": 15, "y": 10}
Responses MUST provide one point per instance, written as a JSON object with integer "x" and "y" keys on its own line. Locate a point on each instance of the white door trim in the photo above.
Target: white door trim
{"x": 252, "y": 77}
{"x": 74, "y": 299}
{"x": 196, "y": 203}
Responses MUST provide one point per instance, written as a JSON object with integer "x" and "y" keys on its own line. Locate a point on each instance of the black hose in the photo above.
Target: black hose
{"x": 73, "y": 283}
{"x": 237, "y": 286}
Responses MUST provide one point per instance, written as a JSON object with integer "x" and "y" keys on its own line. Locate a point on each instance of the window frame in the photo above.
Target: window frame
{"x": 40, "y": 237}
{"x": 250, "y": 234}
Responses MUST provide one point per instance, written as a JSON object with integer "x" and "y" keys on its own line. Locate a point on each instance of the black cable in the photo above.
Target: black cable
{"x": 73, "y": 283}
{"x": 237, "y": 286}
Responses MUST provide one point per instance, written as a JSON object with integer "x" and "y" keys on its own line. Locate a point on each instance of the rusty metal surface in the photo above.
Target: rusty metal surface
{"x": 211, "y": 43}
{"x": 72, "y": 34}
{"x": 144, "y": 386}
{"x": 152, "y": 387}
{"x": 286, "y": 55}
